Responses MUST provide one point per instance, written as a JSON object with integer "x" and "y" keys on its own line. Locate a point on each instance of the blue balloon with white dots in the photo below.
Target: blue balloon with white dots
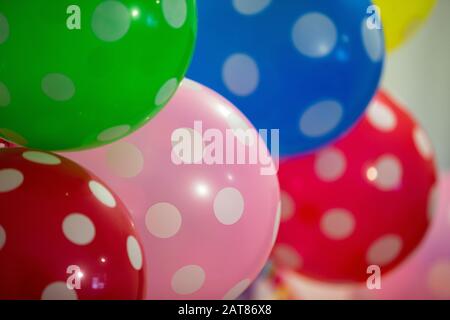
{"x": 306, "y": 67}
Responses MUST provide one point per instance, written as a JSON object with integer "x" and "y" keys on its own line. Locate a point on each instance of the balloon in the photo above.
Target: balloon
{"x": 207, "y": 227}
{"x": 81, "y": 74}
{"x": 364, "y": 201}
{"x": 63, "y": 234}
{"x": 401, "y": 18}
{"x": 308, "y": 68}
{"x": 426, "y": 275}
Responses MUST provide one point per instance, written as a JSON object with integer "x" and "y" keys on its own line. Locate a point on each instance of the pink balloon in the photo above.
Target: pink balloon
{"x": 207, "y": 230}
{"x": 426, "y": 274}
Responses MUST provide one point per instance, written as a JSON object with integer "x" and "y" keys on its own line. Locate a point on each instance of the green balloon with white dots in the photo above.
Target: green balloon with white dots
{"x": 78, "y": 74}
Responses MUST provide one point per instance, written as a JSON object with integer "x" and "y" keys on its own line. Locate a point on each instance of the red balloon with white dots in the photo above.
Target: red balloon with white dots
{"x": 365, "y": 201}
{"x": 63, "y": 234}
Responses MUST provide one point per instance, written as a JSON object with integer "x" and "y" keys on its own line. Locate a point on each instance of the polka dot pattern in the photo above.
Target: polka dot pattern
{"x": 388, "y": 173}
{"x": 229, "y": 206}
{"x": 287, "y": 206}
{"x": 188, "y": 280}
{"x": 373, "y": 42}
{"x": 381, "y": 117}
{"x": 58, "y": 87}
{"x": 287, "y": 257}
{"x": 58, "y": 291}
{"x": 4, "y": 29}
{"x": 102, "y": 194}
{"x": 237, "y": 290}
{"x": 384, "y": 250}
{"x": 125, "y": 160}
{"x": 5, "y": 97}
{"x": 321, "y": 119}
{"x": 166, "y": 91}
{"x": 2, "y": 237}
{"x": 111, "y": 21}
{"x": 163, "y": 220}
{"x": 175, "y": 12}
{"x": 250, "y": 7}
{"x": 314, "y": 35}
{"x": 330, "y": 164}
{"x": 134, "y": 253}
{"x": 241, "y": 74}
{"x": 423, "y": 144}
{"x": 78, "y": 229}
{"x": 113, "y": 133}
{"x": 337, "y": 224}
{"x": 41, "y": 158}
{"x": 10, "y": 179}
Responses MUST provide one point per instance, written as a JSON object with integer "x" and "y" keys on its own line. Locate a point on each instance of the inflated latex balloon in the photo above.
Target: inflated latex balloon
{"x": 401, "y": 18}
{"x": 63, "y": 234}
{"x": 308, "y": 68}
{"x": 79, "y": 74}
{"x": 364, "y": 201}
{"x": 207, "y": 220}
{"x": 426, "y": 275}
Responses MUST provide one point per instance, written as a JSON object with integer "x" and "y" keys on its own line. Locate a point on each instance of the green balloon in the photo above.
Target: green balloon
{"x": 78, "y": 74}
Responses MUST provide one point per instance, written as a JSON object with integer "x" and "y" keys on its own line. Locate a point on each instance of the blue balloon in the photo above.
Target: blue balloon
{"x": 306, "y": 67}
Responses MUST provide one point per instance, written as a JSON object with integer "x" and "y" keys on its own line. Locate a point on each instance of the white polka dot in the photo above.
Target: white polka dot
{"x": 175, "y": 12}
{"x": 113, "y": 133}
{"x": 276, "y": 224}
{"x": 5, "y": 97}
{"x": 189, "y": 149}
{"x": 384, "y": 250}
{"x": 432, "y": 201}
{"x": 188, "y": 280}
{"x": 10, "y": 179}
{"x": 314, "y": 35}
{"x": 337, "y": 224}
{"x": 78, "y": 229}
{"x": 250, "y": 7}
{"x": 287, "y": 257}
{"x": 166, "y": 92}
{"x": 242, "y": 131}
{"x": 111, "y": 20}
{"x": 102, "y": 194}
{"x": 373, "y": 42}
{"x": 134, "y": 253}
{"x": 4, "y": 29}
{"x": 58, "y": 291}
{"x": 321, "y": 118}
{"x": 163, "y": 220}
{"x": 41, "y": 157}
{"x": 240, "y": 74}
{"x": 389, "y": 173}
{"x": 439, "y": 279}
{"x": 330, "y": 164}
{"x": 423, "y": 143}
{"x": 237, "y": 290}
{"x": 58, "y": 87}
{"x": 124, "y": 159}
{"x": 287, "y": 206}
{"x": 2, "y": 237}
{"x": 381, "y": 117}
{"x": 229, "y": 206}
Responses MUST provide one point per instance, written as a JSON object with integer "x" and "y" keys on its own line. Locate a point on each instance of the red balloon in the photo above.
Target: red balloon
{"x": 63, "y": 234}
{"x": 364, "y": 201}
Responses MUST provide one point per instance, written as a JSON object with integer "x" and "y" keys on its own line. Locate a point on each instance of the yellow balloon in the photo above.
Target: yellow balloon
{"x": 402, "y": 17}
